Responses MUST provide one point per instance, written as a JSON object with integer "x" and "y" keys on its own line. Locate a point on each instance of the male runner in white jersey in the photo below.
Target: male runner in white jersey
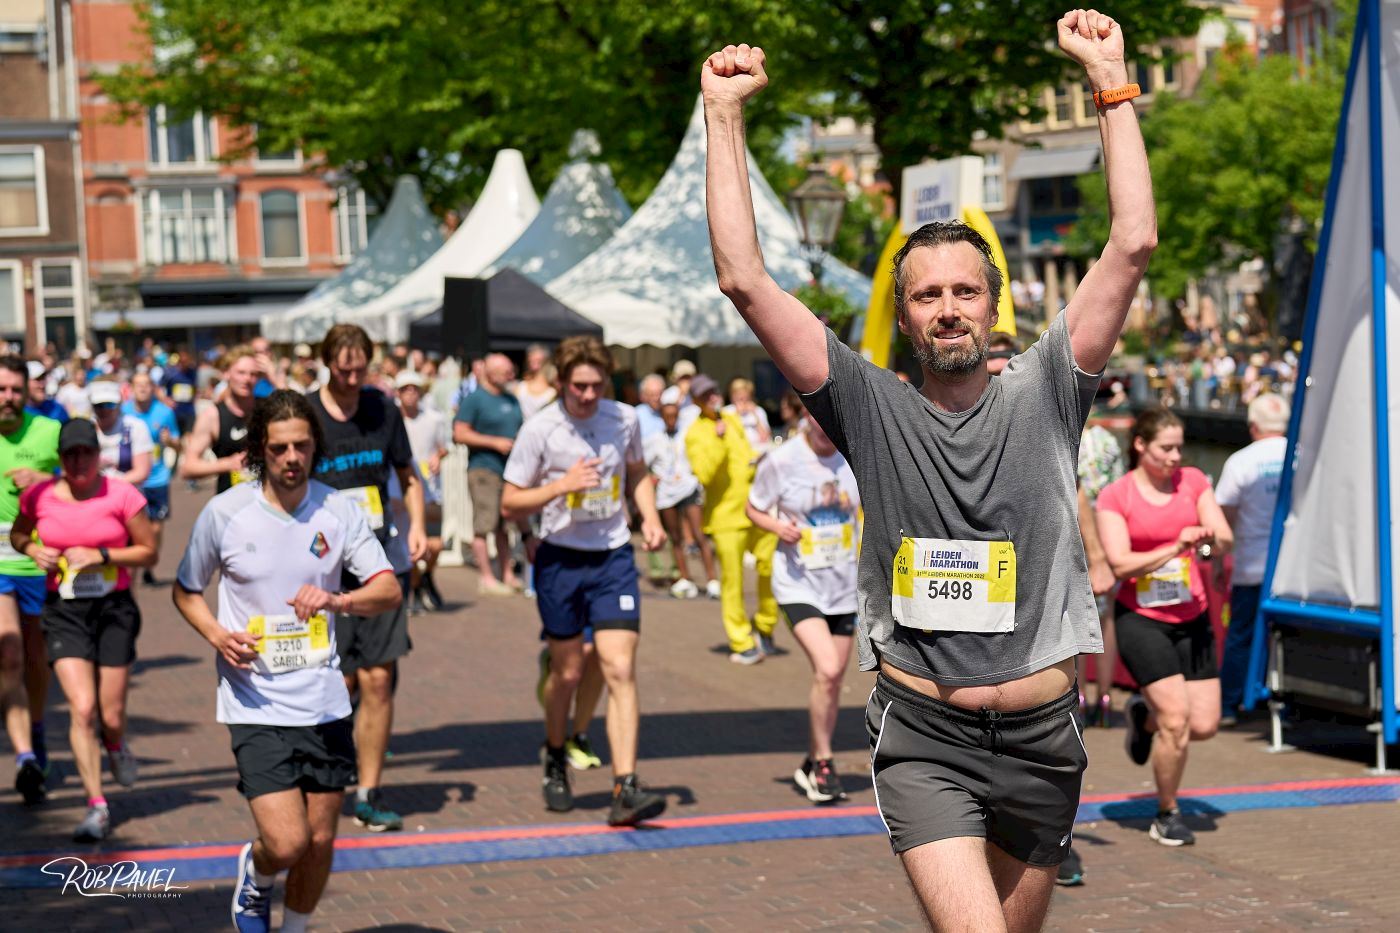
{"x": 973, "y": 590}
{"x": 575, "y": 461}
{"x": 279, "y": 544}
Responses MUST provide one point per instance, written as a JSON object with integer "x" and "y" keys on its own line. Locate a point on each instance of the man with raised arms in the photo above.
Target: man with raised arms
{"x": 973, "y": 591}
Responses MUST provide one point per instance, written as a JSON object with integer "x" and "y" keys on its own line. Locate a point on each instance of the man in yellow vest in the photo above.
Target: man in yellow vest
{"x": 723, "y": 461}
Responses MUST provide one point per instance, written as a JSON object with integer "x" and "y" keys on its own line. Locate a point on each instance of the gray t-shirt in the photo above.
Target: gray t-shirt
{"x": 1002, "y": 470}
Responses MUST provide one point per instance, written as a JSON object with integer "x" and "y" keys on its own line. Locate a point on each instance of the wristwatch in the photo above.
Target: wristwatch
{"x": 1116, "y": 95}
{"x": 106, "y": 555}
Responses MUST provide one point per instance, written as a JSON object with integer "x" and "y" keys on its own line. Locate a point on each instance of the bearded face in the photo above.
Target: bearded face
{"x": 948, "y": 313}
{"x": 953, "y": 348}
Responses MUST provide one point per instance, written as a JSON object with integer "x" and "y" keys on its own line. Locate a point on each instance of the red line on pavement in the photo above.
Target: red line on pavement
{"x": 559, "y": 831}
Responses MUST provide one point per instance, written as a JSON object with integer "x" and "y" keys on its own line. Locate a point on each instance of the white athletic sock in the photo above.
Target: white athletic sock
{"x": 362, "y": 794}
{"x": 263, "y": 881}
{"x": 294, "y": 922}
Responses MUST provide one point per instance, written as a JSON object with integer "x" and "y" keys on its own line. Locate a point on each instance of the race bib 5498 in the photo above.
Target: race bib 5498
{"x": 954, "y": 586}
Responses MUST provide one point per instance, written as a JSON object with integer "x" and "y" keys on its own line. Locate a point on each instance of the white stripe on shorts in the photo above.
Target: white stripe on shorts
{"x": 873, "y": 752}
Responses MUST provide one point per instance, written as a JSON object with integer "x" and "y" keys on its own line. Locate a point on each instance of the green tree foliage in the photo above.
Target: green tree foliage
{"x": 384, "y": 87}
{"x": 1232, "y": 166}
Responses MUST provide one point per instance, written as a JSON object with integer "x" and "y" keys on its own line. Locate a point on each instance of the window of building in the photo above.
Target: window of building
{"x": 185, "y": 225}
{"x": 268, "y": 155}
{"x": 11, "y": 297}
{"x": 57, "y": 294}
{"x": 1054, "y": 195}
{"x": 993, "y": 181}
{"x": 1064, "y": 105}
{"x": 23, "y": 205}
{"x": 1169, "y": 72}
{"x": 186, "y": 142}
{"x": 1086, "y": 102}
{"x": 281, "y": 227}
{"x": 1142, "y": 76}
{"x": 351, "y": 223}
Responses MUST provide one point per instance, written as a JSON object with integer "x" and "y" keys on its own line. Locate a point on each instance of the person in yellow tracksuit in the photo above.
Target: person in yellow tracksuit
{"x": 724, "y": 462}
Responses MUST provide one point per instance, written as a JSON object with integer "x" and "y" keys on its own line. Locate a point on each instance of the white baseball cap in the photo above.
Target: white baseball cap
{"x": 408, "y": 378}
{"x": 671, "y": 396}
{"x": 103, "y": 392}
{"x": 36, "y": 369}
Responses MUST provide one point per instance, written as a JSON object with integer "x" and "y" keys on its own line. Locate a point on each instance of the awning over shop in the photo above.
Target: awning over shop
{"x": 1054, "y": 163}
{"x": 186, "y": 317}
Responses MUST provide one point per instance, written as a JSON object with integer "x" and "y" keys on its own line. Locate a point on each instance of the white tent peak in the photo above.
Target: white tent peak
{"x": 654, "y": 282}
{"x": 507, "y": 205}
{"x": 581, "y": 211}
{"x": 405, "y": 235}
{"x": 584, "y": 145}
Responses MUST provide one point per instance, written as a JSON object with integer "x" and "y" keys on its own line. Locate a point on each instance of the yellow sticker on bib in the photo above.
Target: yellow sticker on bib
{"x": 238, "y": 476}
{"x": 598, "y": 503}
{"x": 88, "y": 583}
{"x": 825, "y": 546}
{"x": 954, "y": 586}
{"x": 286, "y": 643}
{"x": 1168, "y": 585}
{"x": 367, "y": 498}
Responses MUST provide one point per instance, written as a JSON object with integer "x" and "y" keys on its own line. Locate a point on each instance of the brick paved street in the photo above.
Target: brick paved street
{"x": 720, "y": 740}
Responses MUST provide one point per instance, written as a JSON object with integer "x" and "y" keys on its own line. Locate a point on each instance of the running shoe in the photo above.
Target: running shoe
{"x": 1138, "y": 740}
{"x": 96, "y": 824}
{"x": 746, "y": 658}
{"x": 684, "y": 589}
{"x": 41, "y": 746}
{"x": 495, "y": 588}
{"x": 252, "y": 905}
{"x": 712, "y": 589}
{"x": 1171, "y": 830}
{"x": 374, "y": 816}
{"x": 633, "y": 804}
{"x": 123, "y": 765}
{"x": 557, "y": 795}
{"x": 426, "y": 599}
{"x": 819, "y": 780}
{"x": 415, "y": 604}
{"x": 430, "y": 589}
{"x": 580, "y": 753}
{"x": 765, "y": 644}
{"x": 544, "y": 676}
{"x": 1105, "y": 710}
{"x": 1071, "y": 870}
{"x": 29, "y": 781}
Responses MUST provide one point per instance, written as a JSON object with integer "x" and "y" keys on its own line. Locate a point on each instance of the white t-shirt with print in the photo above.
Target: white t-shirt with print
{"x": 669, "y": 463}
{"x": 263, "y": 557}
{"x": 130, "y": 431}
{"x": 819, "y": 494}
{"x": 550, "y": 443}
{"x": 427, "y": 434}
{"x": 1249, "y": 482}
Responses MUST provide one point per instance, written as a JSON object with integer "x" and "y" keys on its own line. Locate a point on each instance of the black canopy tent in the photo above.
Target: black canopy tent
{"x": 517, "y": 313}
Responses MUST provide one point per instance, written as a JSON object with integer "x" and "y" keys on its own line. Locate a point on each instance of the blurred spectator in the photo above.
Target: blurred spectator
{"x": 487, "y": 422}
{"x": 750, "y": 413}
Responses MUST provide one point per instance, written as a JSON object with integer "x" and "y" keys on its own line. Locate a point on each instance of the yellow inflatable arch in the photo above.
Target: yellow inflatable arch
{"x": 878, "y": 336}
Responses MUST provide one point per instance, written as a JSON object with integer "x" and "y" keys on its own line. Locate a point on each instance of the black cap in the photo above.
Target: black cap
{"x": 79, "y": 432}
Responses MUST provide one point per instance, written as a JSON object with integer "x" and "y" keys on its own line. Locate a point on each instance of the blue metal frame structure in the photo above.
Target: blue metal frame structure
{"x": 1372, "y": 623}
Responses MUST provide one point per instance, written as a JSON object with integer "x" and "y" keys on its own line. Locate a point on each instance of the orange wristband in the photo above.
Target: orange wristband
{"x": 1116, "y": 95}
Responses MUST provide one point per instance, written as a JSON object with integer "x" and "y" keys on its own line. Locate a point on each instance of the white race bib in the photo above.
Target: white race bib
{"x": 596, "y": 504}
{"x": 286, "y": 643}
{"x": 88, "y": 583}
{"x": 1168, "y": 585}
{"x": 367, "y": 498}
{"x": 826, "y": 546}
{"x": 955, "y": 586}
{"x": 7, "y": 550}
{"x": 182, "y": 392}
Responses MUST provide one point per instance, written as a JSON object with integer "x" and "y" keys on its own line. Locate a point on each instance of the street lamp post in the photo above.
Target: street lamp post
{"x": 817, "y": 205}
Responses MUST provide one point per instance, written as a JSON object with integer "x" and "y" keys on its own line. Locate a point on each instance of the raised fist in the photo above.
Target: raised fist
{"x": 734, "y": 73}
{"x": 1094, "y": 40}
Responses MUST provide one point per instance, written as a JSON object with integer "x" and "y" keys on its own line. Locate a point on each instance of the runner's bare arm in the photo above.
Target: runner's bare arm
{"x": 235, "y": 647}
{"x": 791, "y": 334}
{"x": 519, "y": 502}
{"x": 201, "y": 437}
{"x": 1096, "y": 314}
{"x": 642, "y": 488}
{"x": 140, "y": 469}
{"x": 1127, "y": 563}
{"x": 1212, "y": 517}
{"x": 412, "y": 485}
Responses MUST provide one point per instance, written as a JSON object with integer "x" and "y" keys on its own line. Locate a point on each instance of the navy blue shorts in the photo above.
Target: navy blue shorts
{"x": 578, "y": 589}
{"x": 157, "y": 502}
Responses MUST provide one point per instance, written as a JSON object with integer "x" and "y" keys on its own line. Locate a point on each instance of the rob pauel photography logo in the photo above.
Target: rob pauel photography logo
{"x": 125, "y": 879}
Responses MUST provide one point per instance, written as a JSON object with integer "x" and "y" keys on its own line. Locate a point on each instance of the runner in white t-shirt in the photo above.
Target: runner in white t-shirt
{"x": 127, "y": 445}
{"x": 428, "y": 438}
{"x": 576, "y": 461}
{"x": 279, "y": 545}
{"x": 679, "y": 497}
{"x": 1247, "y": 493}
{"x": 814, "y": 492}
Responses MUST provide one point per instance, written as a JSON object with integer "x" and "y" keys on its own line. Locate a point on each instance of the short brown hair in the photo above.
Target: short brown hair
{"x": 343, "y": 337}
{"x": 1149, "y": 424}
{"x": 578, "y": 351}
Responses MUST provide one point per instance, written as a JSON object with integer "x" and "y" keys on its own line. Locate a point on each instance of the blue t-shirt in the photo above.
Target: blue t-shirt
{"x": 498, "y": 415}
{"x": 50, "y": 409}
{"x": 158, "y": 416}
{"x": 649, "y": 420}
{"x": 263, "y": 388}
{"x": 179, "y": 384}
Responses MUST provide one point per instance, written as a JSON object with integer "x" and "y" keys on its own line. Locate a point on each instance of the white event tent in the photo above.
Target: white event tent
{"x": 406, "y": 235}
{"x": 653, "y": 283}
{"x": 506, "y": 207}
{"x": 580, "y": 212}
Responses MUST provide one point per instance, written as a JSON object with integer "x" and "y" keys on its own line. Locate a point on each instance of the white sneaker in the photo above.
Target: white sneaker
{"x": 684, "y": 589}
{"x": 712, "y": 589}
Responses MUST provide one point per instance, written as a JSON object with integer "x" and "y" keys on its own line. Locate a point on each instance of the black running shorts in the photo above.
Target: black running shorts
{"x": 319, "y": 759}
{"x": 373, "y": 641}
{"x": 841, "y": 623}
{"x": 102, "y": 630}
{"x": 1153, "y": 650}
{"x": 942, "y": 772}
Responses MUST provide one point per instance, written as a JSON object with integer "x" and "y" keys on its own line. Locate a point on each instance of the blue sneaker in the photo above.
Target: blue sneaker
{"x": 374, "y": 816}
{"x": 252, "y": 905}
